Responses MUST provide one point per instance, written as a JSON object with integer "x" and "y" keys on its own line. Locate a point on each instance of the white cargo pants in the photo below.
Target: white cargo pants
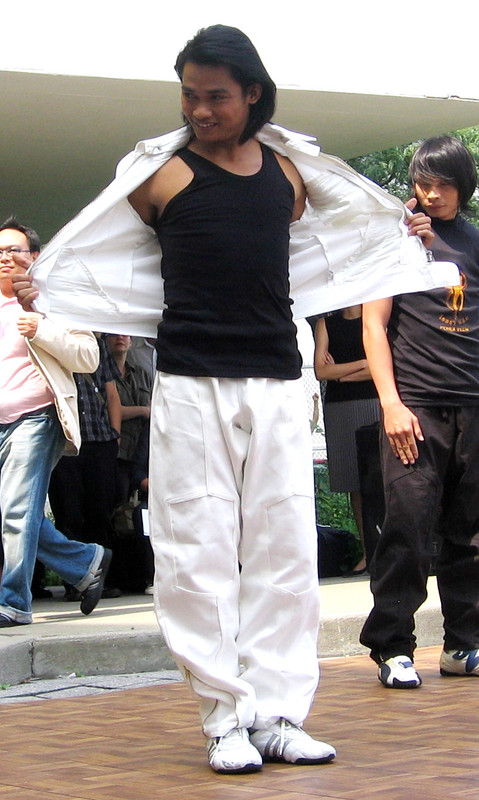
{"x": 231, "y": 483}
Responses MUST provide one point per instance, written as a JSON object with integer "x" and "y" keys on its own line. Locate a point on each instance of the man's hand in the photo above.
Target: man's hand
{"x": 24, "y": 291}
{"x": 402, "y": 429}
{"x": 419, "y": 224}
{"x": 28, "y": 324}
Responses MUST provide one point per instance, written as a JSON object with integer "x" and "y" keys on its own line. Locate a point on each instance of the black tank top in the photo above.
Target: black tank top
{"x": 225, "y": 243}
{"x": 346, "y": 344}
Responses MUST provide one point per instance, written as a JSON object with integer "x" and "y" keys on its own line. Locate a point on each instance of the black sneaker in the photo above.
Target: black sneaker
{"x": 8, "y": 622}
{"x": 92, "y": 594}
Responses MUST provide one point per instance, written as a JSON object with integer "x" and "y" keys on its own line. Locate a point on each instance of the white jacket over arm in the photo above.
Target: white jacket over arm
{"x": 57, "y": 352}
{"x": 102, "y": 270}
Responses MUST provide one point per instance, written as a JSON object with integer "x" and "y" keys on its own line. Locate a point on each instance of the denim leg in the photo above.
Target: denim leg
{"x": 75, "y": 562}
{"x": 29, "y": 448}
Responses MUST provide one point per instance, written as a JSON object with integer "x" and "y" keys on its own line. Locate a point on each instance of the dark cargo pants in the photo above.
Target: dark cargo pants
{"x": 440, "y": 492}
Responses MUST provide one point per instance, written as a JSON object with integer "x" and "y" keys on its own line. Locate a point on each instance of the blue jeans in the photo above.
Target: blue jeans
{"x": 29, "y": 449}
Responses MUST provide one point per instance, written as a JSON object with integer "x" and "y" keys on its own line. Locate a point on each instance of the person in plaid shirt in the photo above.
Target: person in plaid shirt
{"x": 82, "y": 490}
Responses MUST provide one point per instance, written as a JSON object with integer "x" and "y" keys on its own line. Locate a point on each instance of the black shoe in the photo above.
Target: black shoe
{"x": 39, "y": 593}
{"x": 71, "y": 595}
{"x": 111, "y": 591}
{"x": 92, "y": 594}
{"x": 355, "y": 573}
{"x": 8, "y": 622}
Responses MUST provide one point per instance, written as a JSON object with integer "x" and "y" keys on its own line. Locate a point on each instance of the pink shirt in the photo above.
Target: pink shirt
{"x": 22, "y": 388}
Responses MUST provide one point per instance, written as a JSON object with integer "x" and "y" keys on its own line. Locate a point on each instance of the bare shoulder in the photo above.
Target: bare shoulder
{"x": 296, "y": 181}
{"x": 151, "y": 198}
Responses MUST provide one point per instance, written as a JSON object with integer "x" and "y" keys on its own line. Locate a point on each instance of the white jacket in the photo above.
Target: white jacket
{"x": 102, "y": 270}
{"x": 57, "y": 352}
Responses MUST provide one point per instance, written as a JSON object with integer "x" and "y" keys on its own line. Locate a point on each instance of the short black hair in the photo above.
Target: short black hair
{"x": 224, "y": 46}
{"x": 11, "y": 223}
{"x": 447, "y": 159}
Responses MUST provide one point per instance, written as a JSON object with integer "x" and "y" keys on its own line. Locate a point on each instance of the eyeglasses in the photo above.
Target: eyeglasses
{"x": 12, "y": 251}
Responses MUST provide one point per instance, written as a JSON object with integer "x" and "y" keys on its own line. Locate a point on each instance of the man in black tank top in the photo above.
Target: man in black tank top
{"x": 423, "y": 351}
{"x": 231, "y": 500}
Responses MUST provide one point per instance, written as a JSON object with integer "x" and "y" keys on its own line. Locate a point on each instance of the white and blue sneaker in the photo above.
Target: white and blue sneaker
{"x": 459, "y": 662}
{"x": 283, "y": 741}
{"x": 398, "y": 672}
{"x": 233, "y": 753}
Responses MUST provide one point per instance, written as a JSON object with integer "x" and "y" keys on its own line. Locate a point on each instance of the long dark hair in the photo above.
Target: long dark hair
{"x": 223, "y": 46}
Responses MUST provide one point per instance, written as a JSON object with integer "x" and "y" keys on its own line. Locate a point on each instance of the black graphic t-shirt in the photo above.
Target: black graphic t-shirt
{"x": 434, "y": 335}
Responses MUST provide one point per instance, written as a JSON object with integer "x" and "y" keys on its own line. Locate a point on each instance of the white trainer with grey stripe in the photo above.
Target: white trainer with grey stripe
{"x": 284, "y": 741}
{"x": 233, "y": 753}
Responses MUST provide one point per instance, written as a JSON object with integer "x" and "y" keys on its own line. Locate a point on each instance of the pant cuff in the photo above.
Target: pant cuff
{"x": 92, "y": 570}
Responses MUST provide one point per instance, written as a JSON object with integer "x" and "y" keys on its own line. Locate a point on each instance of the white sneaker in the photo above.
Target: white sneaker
{"x": 233, "y": 753}
{"x": 284, "y": 741}
{"x": 459, "y": 662}
{"x": 398, "y": 673}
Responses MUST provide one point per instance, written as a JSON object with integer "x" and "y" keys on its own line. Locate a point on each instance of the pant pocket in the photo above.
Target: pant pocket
{"x": 204, "y": 536}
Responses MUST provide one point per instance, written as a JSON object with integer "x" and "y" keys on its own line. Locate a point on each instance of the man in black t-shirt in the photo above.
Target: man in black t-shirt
{"x": 423, "y": 351}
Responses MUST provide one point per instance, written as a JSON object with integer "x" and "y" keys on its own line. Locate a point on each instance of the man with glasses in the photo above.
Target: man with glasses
{"x": 38, "y": 420}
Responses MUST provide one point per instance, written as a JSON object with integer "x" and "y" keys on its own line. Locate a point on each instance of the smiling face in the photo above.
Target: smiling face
{"x": 13, "y": 263}
{"x": 214, "y": 104}
{"x": 438, "y": 198}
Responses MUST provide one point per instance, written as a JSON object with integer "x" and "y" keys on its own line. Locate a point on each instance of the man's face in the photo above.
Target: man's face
{"x": 214, "y": 104}
{"x": 438, "y": 199}
{"x": 118, "y": 343}
{"x": 13, "y": 263}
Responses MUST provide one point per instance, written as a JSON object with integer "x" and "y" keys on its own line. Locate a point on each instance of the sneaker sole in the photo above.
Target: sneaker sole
{"x": 309, "y": 761}
{"x": 447, "y": 674}
{"x": 248, "y": 768}
{"x": 400, "y": 684}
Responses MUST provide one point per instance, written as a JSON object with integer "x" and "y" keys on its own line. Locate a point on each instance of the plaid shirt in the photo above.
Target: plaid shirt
{"x": 94, "y": 421}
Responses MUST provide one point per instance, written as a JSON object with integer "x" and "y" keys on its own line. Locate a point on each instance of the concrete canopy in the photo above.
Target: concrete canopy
{"x": 61, "y": 136}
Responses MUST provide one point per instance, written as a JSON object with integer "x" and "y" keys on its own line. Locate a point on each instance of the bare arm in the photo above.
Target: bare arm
{"x": 113, "y": 404}
{"x": 401, "y": 425}
{"x": 151, "y": 198}
{"x": 131, "y": 412}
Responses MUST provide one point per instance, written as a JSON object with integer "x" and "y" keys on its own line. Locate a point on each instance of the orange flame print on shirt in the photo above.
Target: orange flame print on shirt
{"x": 455, "y": 298}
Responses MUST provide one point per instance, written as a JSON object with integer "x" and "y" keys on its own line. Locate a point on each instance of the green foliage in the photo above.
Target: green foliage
{"x": 389, "y": 168}
{"x": 332, "y": 508}
{"x": 51, "y": 578}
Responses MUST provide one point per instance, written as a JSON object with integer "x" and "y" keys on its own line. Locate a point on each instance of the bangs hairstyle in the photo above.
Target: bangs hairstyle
{"x": 447, "y": 159}
{"x": 223, "y": 46}
{"x": 12, "y": 224}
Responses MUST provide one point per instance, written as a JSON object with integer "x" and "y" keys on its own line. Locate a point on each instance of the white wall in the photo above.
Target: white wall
{"x": 369, "y": 46}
